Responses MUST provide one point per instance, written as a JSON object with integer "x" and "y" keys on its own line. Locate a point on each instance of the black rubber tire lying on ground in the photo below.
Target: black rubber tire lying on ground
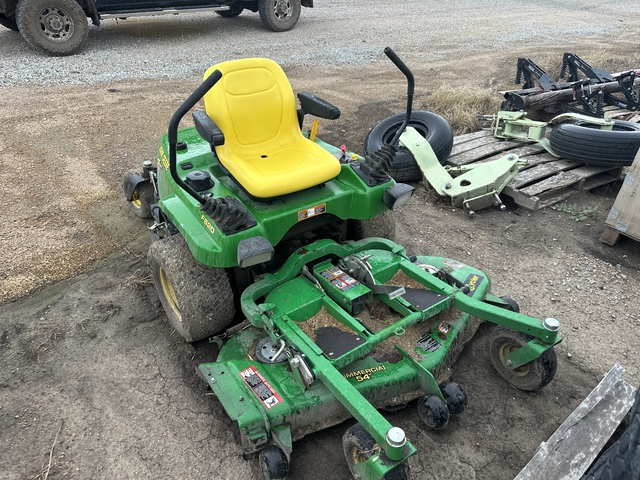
{"x": 585, "y": 142}
{"x": 431, "y": 126}
{"x": 622, "y": 459}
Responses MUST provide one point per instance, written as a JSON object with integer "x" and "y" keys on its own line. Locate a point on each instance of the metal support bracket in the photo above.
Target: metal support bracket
{"x": 477, "y": 188}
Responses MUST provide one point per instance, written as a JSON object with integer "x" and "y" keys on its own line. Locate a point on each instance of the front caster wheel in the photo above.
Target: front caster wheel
{"x": 455, "y": 397}
{"x": 433, "y": 412}
{"x": 529, "y": 377}
{"x": 359, "y": 446}
{"x": 142, "y": 196}
{"x": 273, "y": 463}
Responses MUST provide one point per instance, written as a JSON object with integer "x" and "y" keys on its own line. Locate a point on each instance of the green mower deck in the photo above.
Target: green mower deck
{"x": 341, "y": 330}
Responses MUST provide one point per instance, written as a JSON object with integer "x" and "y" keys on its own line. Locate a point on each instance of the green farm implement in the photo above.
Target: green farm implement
{"x": 277, "y": 246}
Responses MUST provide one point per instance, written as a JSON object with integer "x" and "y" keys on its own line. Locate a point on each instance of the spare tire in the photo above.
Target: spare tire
{"x": 586, "y": 142}
{"x": 431, "y": 126}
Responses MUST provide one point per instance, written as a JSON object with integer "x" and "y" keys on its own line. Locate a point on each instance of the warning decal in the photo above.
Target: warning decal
{"x": 339, "y": 278}
{"x": 312, "y": 212}
{"x": 428, "y": 344}
{"x": 263, "y": 390}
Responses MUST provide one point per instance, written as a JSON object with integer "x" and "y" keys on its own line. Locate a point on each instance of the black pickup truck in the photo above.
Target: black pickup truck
{"x": 59, "y": 27}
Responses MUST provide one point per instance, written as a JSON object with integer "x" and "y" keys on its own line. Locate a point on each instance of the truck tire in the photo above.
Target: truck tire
{"x": 279, "y": 15}
{"x": 585, "y": 142}
{"x": 431, "y": 126}
{"x": 8, "y": 22}
{"x": 198, "y": 299}
{"x": 56, "y": 26}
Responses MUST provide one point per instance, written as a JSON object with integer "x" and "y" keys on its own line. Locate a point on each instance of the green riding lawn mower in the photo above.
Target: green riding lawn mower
{"x": 278, "y": 247}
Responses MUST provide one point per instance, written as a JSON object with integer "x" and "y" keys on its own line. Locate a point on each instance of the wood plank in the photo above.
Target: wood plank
{"x": 564, "y": 179}
{"x": 472, "y": 144}
{"x": 466, "y": 137}
{"x": 536, "y": 202}
{"x": 624, "y": 215}
{"x": 482, "y": 151}
{"x": 610, "y": 236}
{"x": 577, "y": 442}
{"x": 539, "y": 172}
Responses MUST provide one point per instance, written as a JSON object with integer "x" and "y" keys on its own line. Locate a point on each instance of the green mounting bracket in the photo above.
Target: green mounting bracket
{"x": 515, "y": 125}
{"x": 474, "y": 187}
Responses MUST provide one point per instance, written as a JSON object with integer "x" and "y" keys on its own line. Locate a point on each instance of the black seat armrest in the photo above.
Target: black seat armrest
{"x": 316, "y": 106}
{"x": 208, "y": 129}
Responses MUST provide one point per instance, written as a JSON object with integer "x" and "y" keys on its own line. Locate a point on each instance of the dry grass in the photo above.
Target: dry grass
{"x": 459, "y": 106}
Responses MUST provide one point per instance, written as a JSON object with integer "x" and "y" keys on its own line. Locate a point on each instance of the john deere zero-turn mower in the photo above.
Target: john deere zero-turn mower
{"x": 263, "y": 230}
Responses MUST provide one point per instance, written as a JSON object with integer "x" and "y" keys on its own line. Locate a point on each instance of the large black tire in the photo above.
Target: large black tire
{"x": 585, "y": 142}
{"x": 431, "y": 126}
{"x": 198, "y": 299}
{"x": 279, "y": 15}
{"x": 56, "y": 26}
{"x": 358, "y": 446}
{"x": 383, "y": 225}
{"x": 622, "y": 459}
{"x": 235, "y": 9}
{"x": 529, "y": 377}
{"x": 8, "y": 22}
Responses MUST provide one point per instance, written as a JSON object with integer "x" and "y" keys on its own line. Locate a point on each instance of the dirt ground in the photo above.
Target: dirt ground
{"x": 96, "y": 385}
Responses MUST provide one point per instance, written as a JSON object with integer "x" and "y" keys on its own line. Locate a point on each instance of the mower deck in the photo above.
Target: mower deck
{"x": 373, "y": 325}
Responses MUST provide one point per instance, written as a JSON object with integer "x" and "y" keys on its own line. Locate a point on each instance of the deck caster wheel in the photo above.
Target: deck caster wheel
{"x": 528, "y": 377}
{"x": 359, "y": 446}
{"x": 273, "y": 463}
{"x": 433, "y": 412}
{"x": 455, "y": 397}
{"x": 142, "y": 196}
{"x": 512, "y": 305}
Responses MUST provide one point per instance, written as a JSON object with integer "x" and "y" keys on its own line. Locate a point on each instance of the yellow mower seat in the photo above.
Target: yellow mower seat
{"x": 264, "y": 150}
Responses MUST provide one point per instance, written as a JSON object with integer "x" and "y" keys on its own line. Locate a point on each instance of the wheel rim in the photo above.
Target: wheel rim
{"x": 135, "y": 200}
{"x": 282, "y": 9}
{"x": 505, "y": 350}
{"x": 55, "y": 24}
{"x": 169, "y": 293}
{"x": 358, "y": 456}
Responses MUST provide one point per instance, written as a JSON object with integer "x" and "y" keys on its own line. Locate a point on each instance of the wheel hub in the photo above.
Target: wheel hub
{"x": 506, "y": 350}
{"x": 55, "y": 24}
{"x": 282, "y": 9}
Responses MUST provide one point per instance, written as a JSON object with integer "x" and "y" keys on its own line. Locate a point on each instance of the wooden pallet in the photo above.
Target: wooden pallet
{"x": 624, "y": 216}
{"x": 577, "y": 442}
{"x": 543, "y": 181}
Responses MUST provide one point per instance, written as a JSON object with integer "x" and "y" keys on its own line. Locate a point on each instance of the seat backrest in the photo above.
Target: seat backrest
{"x": 253, "y": 104}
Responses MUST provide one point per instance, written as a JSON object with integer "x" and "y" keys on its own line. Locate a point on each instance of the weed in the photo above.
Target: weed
{"x": 579, "y": 214}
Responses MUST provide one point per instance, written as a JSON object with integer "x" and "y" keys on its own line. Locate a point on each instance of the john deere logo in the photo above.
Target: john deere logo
{"x": 473, "y": 281}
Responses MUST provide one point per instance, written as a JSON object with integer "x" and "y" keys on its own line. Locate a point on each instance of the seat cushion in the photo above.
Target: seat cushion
{"x": 264, "y": 150}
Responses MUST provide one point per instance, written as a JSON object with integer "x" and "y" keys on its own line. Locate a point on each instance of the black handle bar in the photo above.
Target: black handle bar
{"x": 182, "y": 110}
{"x": 410, "y": 85}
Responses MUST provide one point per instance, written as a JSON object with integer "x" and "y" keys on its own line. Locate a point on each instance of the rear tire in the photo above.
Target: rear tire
{"x": 279, "y": 15}
{"x": 8, "y": 22}
{"x": 383, "y": 225}
{"x": 198, "y": 299}
{"x": 431, "y": 126}
{"x": 56, "y": 26}
{"x": 585, "y": 142}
